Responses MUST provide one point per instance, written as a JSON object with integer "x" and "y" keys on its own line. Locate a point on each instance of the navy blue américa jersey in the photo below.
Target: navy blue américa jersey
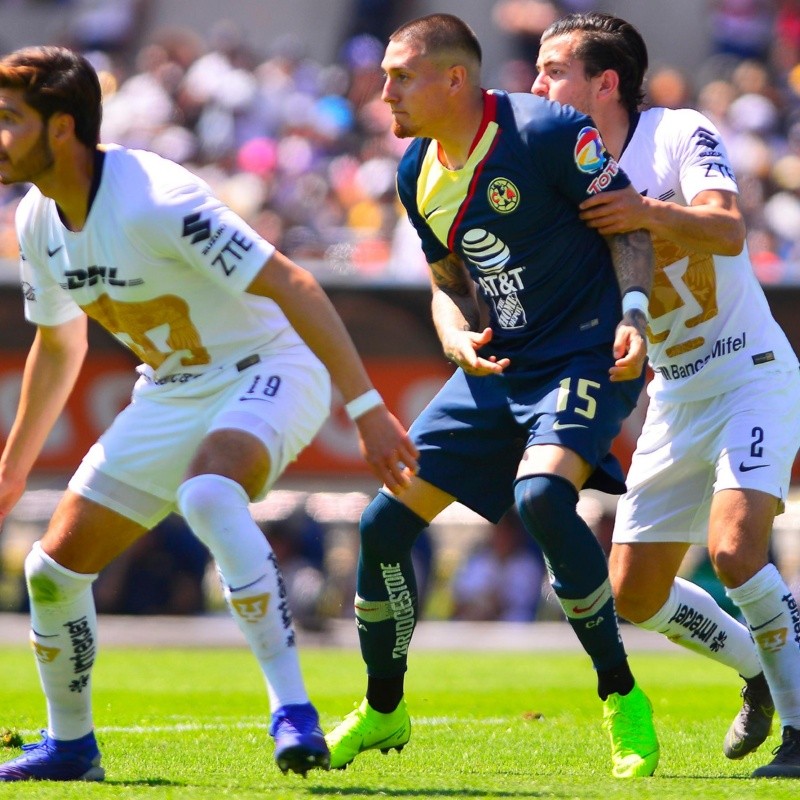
{"x": 511, "y": 214}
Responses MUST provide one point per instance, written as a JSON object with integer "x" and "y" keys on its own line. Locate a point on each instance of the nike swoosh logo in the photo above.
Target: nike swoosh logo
{"x": 429, "y": 214}
{"x": 247, "y": 585}
{"x": 577, "y": 610}
{"x": 51, "y": 253}
{"x": 560, "y": 426}
{"x": 764, "y": 625}
{"x": 44, "y": 635}
{"x": 748, "y": 467}
{"x": 392, "y": 735}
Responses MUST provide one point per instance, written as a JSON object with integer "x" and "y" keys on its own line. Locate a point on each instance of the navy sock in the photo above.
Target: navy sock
{"x": 547, "y": 505}
{"x": 386, "y": 590}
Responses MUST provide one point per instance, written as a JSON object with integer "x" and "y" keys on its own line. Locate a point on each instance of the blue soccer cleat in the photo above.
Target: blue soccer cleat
{"x": 56, "y": 760}
{"x": 299, "y": 742}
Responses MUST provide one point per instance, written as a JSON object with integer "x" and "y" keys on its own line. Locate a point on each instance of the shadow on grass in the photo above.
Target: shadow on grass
{"x": 384, "y": 792}
{"x": 146, "y": 782}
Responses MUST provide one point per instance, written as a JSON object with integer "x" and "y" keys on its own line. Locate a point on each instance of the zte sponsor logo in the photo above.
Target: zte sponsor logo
{"x": 230, "y": 253}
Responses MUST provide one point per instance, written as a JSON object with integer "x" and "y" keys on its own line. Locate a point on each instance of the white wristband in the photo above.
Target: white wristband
{"x": 363, "y": 403}
{"x": 634, "y": 300}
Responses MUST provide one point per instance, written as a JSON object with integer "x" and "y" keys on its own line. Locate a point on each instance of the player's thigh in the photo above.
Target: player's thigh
{"x": 265, "y": 420}
{"x": 423, "y": 498}
{"x": 553, "y": 459}
{"x": 671, "y": 477}
{"x": 642, "y": 574}
{"x": 759, "y": 435}
{"x": 137, "y": 464}
{"x": 469, "y": 445}
{"x": 85, "y": 536}
{"x": 572, "y": 416}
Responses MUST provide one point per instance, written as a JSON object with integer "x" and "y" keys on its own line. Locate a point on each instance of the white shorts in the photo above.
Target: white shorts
{"x": 744, "y": 439}
{"x": 136, "y": 466}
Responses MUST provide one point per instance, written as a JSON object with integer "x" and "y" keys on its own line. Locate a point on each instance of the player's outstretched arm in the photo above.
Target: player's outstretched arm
{"x": 384, "y": 442}
{"x": 632, "y": 256}
{"x": 456, "y": 316}
{"x": 51, "y": 369}
{"x": 712, "y": 223}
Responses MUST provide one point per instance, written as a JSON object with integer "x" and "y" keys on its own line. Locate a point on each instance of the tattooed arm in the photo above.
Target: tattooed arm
{"x": 632, "y": 256}
{"x": 456, "y": 317}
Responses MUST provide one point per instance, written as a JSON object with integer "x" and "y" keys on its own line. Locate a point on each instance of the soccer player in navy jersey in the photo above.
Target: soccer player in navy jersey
{"x": 545, "y": 322}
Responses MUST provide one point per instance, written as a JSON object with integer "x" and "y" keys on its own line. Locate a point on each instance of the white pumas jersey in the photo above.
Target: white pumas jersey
{"x": 160, "y": 263}
{"x": 710, "y": 324}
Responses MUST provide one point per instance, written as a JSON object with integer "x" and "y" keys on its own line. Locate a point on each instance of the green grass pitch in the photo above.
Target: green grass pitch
{"x": 193, "y": 724}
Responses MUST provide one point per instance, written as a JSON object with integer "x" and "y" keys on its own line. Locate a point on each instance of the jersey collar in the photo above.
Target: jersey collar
{"x": 489, "y": 115}
{"x": 633, "y": 122}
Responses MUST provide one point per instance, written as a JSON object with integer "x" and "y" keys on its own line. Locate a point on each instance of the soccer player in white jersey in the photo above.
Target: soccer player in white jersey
{"x": 238, "y": 347}
{"x": 714, "y": 459}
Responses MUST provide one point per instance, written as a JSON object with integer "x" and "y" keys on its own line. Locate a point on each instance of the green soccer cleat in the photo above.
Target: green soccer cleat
{"x": 367, "y": 729}
{"x": 634, "y": 745}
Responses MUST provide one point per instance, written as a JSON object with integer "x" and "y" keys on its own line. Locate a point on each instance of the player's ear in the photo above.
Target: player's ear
{"x": 458, "y": 77}
{"x": 609, "y": 83}
{"x": 61, "y": 126}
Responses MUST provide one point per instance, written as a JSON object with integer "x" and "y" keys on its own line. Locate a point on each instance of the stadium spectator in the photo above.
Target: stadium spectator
{"x": 546, "y": 374}
{"x": 741, "y": 28}
{"x": 163, "y": 572}
{"x": 298, "y": 542}
{"x": 288, "y": 123}
{"x": 713, "y": 462}
{"x": 218, "y": 317}
{"x": 501, "y": 579}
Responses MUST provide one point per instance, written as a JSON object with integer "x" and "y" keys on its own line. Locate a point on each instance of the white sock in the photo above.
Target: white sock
{"x": 216, "y": 509}
{"x": 693, "y": 619}
{"x": 64, "y": 641}
{"x": 774, "y": 619}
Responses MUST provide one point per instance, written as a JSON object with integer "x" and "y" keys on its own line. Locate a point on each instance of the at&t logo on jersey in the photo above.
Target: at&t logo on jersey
{"x": 590, "y": 154}
{"x": 488, "y": 253}
{"x": 503, "y": 195}
{"x": 500, "y": 286}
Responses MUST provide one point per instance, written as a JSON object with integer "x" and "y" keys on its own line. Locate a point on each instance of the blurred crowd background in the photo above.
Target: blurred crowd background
{"x": 298, "y": 142}
{"x": 301, "y": 146}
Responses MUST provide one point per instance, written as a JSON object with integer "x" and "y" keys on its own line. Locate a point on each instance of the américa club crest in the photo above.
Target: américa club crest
{"x": 503, "y": 195}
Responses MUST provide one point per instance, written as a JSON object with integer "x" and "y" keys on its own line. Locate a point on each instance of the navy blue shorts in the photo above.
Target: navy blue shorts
{"x": 472, "y": 435}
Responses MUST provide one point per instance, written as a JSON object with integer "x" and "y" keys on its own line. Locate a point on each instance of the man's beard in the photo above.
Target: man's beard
{"x": 36, "y": 161}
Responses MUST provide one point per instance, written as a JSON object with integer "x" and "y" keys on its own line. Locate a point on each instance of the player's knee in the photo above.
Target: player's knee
{"x": 542, "y": 501}
{"x": 636, "y": 597}
{"x": 734, "y": 568}
{"x": 205, "y": 497}
{"x": 631, "y": 605}
{"x": 388, "y": 529}
{"x": 49, "y": 583}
